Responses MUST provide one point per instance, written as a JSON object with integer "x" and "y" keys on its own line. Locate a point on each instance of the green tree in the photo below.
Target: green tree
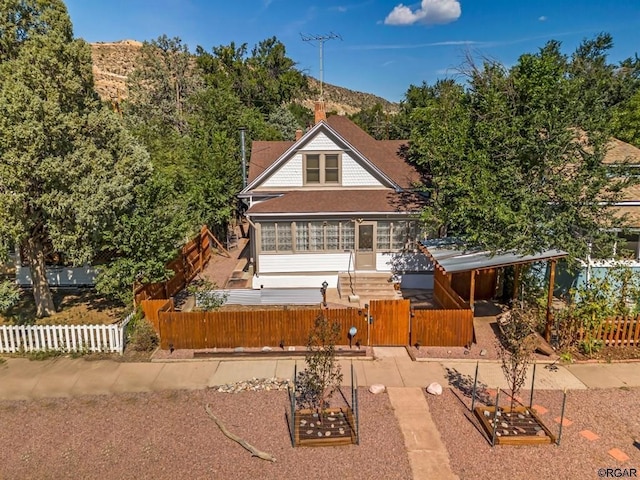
{"x": 514, "y": 162}
{"x": 142, "y": 240}
{"x": 68, "y": 165}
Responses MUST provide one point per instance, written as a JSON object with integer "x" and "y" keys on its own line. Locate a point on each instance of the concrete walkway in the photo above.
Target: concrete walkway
{"x": 22, "y": 379}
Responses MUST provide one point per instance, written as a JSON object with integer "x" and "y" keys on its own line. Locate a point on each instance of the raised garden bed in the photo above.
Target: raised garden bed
{"x": 520, "y": 426}
{"x": 336, "y": 428}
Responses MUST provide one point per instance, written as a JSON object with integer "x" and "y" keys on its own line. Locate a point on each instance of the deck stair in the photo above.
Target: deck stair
{"x": 367, "y": 285}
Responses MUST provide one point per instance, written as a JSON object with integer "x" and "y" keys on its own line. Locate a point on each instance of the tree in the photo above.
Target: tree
{"x": 68, "y": 165}
{"x": 142, "y": 240}
{"x": 514, "y": 162}
{"x": 516, "y": 348}
{"x": 322, "y": 376}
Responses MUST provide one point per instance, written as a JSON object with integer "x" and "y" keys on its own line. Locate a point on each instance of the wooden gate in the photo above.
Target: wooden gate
{"x": 389, "y": 322}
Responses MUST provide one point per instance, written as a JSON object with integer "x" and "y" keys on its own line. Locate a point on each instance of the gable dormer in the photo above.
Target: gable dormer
{"x": 322, "y": 158}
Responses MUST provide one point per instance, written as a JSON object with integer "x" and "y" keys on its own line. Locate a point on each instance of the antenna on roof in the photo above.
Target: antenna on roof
{"x": 320, "y": 39}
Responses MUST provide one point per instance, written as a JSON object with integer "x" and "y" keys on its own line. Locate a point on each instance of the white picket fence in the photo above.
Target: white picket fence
{"x": 64, "y": 338}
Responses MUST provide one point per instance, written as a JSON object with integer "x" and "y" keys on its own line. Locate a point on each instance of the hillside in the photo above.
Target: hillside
{"x": 112, "y": 62}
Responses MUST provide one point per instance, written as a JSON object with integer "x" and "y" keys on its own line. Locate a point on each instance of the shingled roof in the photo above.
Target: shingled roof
{"x": 338, "y": 201}
{"x": 385, "y": 155}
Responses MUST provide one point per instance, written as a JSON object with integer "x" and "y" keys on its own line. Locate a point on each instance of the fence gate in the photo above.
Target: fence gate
{"x": 390, "y": 322}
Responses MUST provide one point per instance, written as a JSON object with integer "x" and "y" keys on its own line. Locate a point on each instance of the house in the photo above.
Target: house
{"x": 334, "y": 201}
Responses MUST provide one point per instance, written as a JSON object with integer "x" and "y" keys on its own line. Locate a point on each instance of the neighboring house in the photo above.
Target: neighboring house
{"x": 334, "y": 201}
{"x": 627, "y": 247}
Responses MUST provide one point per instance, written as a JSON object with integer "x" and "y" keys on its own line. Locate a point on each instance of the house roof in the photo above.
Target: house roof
{"x": 455, "y": 258}
{"x": 338, "y": 201}
{"x": 263, "y": 154}
{"x": 619, "y": 151}
{"x": 385, "y": 155}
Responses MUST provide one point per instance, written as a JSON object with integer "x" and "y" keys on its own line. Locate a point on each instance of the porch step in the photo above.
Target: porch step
{"x": 366, "y": 285}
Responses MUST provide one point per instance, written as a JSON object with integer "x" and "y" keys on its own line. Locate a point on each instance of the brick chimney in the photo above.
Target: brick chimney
{"x": 321, "y": 113}
{"x": 298, "y": 134}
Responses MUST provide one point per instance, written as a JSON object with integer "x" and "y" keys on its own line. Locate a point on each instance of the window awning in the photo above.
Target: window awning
{"x": 451, "y": 256}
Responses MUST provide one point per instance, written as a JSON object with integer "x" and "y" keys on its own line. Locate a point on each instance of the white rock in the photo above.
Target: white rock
{"x": 434, "y": 389}
{"x": 377, "y": 388}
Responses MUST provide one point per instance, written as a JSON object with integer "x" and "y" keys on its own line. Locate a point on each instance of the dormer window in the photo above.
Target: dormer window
{"x": 322, "y": 169}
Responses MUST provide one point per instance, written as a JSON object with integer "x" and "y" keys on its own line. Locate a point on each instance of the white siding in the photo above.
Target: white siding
{"x": 304, "y": 262}
{"x": 403, "y": 262}
{"x": 354, "y": 174}
{"x": 288, "y": 175}
{"x": 60, "y": 276}
{"x": 320, "y": 142}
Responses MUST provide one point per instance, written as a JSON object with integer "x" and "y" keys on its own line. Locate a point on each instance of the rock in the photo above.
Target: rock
{"x": 255, "y": 384}
{"x": 520, "y": 416}
{"x": 498, "y": 434}
{"x": 515, "y": 432}
{"x": 483, "y": 352}
{"x": 341, "y": 431}
{"x": 537, "y": 428}
{"x": 487, "y": 413}
{"x": 521, "y": 430}
{"x": 327, "y": 434}
{"x": 506, "y": 432}
{"x": 239, "y": 349}
{"x": 303, "y": 422}
{"x": 331, "y": 419}
{"x": 312, "y": 424}
{"x": 315, "y": 414}
{"x": 266, "y": 349}
{"x": 319, "y": 434}
{"x": 434, "y": 389}
{"x": 541, "y": 433}
{"x": 377, "y": 388}
{"x": 504, "y": 425}
{"x": 499, "y": 413}
{"x": 333, "y": 426}
{"x": 309, "y": 432}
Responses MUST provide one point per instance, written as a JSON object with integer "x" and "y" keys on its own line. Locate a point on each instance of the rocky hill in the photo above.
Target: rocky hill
{"x": 112, "y": 62}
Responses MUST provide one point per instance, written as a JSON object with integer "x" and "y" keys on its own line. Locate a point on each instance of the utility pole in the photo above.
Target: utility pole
{"x": 320, "y": 39}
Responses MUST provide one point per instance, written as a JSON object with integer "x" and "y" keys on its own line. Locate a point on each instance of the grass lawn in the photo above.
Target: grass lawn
{"x": 74, "y": 307}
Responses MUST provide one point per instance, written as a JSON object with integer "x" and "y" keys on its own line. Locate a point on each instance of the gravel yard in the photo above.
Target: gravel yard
{"x": 169, "y": 435}
{"x": 612, "y": 414}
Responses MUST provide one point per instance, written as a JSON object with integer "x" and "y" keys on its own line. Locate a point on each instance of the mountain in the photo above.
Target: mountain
{"x": 113, "y": 61}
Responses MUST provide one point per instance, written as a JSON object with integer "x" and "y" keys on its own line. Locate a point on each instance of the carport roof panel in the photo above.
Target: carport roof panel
{"x": 454, "y": 258}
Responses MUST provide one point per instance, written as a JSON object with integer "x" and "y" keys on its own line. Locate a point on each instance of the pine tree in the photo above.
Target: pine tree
{"x": 68, "y": 165}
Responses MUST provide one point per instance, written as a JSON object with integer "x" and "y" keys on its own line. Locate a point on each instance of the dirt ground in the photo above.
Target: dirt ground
{"x": 74, "y": 307}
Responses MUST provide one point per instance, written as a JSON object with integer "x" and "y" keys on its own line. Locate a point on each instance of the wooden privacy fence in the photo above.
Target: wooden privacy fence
{"x": 151, "y": 309}
{"x": 253, "y": 328}
{"x": 191, "y": 260}
{"x": 442, "y": 328}
{"x": 64, "y": 338}
{"x": 617, "y": 332}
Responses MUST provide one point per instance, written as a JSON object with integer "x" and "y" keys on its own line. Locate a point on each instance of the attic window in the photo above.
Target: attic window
{"x": 322, "y": 168}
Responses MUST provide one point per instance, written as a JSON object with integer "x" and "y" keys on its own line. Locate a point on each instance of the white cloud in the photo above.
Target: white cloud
{"x": 429, "y": 12}
{"x": 542, "y": 18}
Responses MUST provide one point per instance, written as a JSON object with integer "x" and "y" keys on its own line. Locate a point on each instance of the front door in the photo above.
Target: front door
{"x": 365, "y": 246}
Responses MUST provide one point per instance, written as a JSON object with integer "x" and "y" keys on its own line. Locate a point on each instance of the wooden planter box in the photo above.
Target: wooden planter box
{"x": 527, "y": 428}
{"x": 338, "y": 422}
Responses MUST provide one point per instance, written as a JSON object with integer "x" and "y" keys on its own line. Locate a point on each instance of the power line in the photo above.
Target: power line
{"x": 320, "y": 39}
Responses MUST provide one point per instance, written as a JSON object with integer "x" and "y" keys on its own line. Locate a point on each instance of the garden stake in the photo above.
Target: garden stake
{"x": 473, "y": 394}
{"x": 533, "y": 380}
{"x": 495, "y": 419}
{"x": 564, "y": 401}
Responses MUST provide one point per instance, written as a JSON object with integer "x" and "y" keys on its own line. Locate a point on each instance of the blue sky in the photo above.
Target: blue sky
{"x": 386, "y": 45}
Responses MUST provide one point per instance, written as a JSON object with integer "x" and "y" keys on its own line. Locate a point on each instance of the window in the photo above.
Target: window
{"x": 327, "y": 236}
{"x": 322, "y": 168}
{"x": 395, "y": 235}
{"x": 627, "y": 246}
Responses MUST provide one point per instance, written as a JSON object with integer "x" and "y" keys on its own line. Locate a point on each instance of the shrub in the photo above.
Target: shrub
{"x": 9, "y": 295}
{"x": 141, "y": 335}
